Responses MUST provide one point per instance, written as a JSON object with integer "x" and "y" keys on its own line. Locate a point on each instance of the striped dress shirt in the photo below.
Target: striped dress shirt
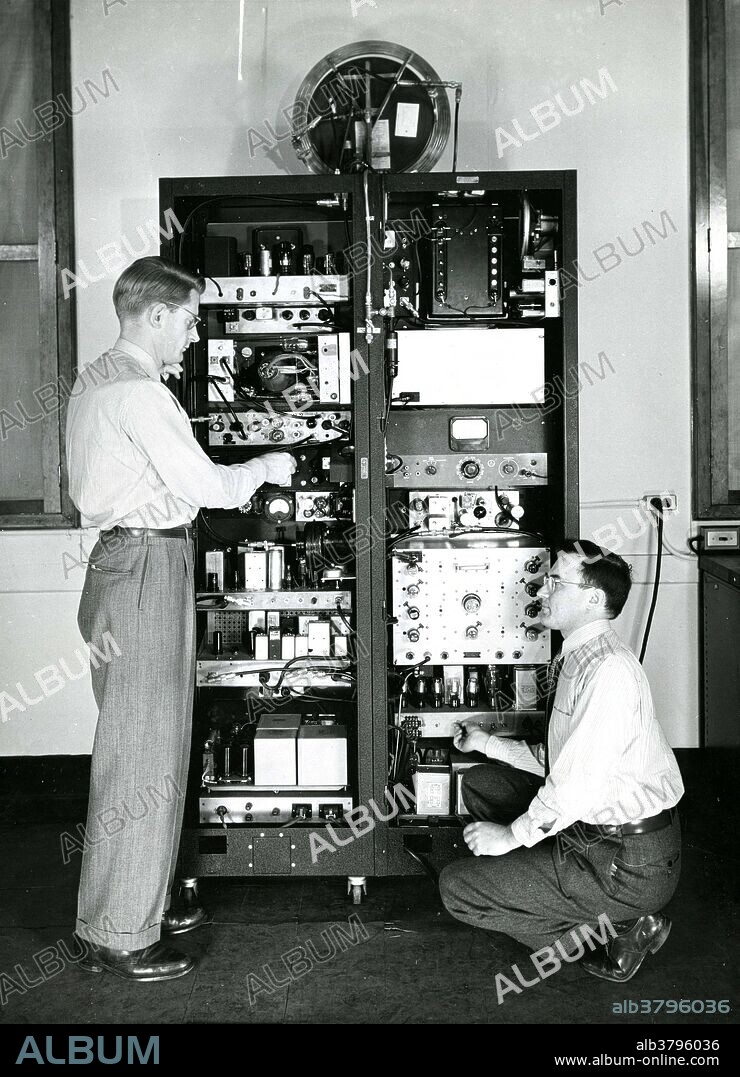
{"x": 609, "y": 758}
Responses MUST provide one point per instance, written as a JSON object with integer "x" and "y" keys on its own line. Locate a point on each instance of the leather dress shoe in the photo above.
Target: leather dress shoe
{"x": 621, "y": 957}
{"x": 178, "y": 921}
{"x": 155, "y": 962}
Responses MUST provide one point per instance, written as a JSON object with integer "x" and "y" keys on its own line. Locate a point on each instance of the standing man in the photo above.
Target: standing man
{"x": 137, "y": 473}
{"x": 585, "y": 824}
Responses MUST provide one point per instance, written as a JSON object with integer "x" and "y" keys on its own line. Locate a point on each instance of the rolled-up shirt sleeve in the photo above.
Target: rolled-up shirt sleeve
{"x": 155, "y": 423}
{"x": 605, "y": 724}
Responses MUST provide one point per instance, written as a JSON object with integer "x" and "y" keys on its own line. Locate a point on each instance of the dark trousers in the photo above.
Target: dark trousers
{"x": 542, "y": 894}
{"x": 138, "y": 610}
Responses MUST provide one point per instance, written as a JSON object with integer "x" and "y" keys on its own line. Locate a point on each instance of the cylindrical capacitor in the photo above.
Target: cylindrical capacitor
{"x": 454, "y": 692}
{"x": 326, "y": 264}
{"x": 307, "y": 259}
{"x": 438, "y": 692}
{"x": 391, "y": 354}
{"x": 212, "y": 584}
{"x": 275, "y": 569}
{"x": 218, "y": 646}
{"x": 246, "y": 260}
{"x": 283, "y": 257}
{"x": 265, "y": 261}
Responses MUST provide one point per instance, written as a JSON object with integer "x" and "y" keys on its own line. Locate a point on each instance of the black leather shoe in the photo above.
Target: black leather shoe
{"x": 155, "y": 962}
{"x": 622, "y": 955}
{"x": 178, "y": 921}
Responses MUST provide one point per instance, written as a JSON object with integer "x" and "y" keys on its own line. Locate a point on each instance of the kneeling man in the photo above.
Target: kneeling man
{"x": 582, "y": 826}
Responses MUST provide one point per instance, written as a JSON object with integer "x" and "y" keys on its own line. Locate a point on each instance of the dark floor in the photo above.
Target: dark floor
{"x": 405, "y": 960}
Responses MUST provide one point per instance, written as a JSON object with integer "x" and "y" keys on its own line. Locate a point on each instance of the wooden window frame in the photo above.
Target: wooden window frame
{"x": 709, "y": 259}
{"x": 55, "y": 248}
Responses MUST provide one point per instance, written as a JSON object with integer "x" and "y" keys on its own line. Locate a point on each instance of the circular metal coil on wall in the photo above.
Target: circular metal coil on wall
{"x": 332, "y": 98}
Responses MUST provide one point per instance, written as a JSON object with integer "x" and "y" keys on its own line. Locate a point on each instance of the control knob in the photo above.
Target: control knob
{"x": 414, "y": 635}
{"x": 533, "y": 565}
{"x": 471, "y": 603}
{"x": 532, "y": 609}
{"x": 531, "y": 633}
{"x": 470, "y": 469}
{"x": 413, "y": 613}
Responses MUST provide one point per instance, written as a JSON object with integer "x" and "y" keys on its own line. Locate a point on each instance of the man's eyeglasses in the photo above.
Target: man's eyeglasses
{"x": 195, "y": 319}
{"x": 555, "y": 581}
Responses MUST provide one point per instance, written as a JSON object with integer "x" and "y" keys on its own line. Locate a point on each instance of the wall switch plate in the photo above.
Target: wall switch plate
{"x": 721, "y": 538}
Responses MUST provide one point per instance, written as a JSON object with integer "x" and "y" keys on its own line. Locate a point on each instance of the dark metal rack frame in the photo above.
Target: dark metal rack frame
{"x": 233, "y": 851}
{"x": 379, "y": 851}
{"x": 443, "y": 842}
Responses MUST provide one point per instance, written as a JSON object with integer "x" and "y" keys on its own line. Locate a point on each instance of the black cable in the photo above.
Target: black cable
{"x": 657, "y": 505}
{"x": 238, "y": 424}
{"x": 399, "y": 538}
{"x": 305, "y": 658}
{"x": 218, "y": 287}
{"x": 399, "y": 465}
{"x": 221, "y": 540}
{"x": 322, "y": 301}
{"x": 344, "y": 618}
{"x": 699, "y": 540}
{"x": 458, "y": 95}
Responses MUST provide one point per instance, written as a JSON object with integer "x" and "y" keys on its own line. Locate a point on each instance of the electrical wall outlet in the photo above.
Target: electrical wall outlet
{"x": 669, "y": 501}
{"x": 721, "y": 538}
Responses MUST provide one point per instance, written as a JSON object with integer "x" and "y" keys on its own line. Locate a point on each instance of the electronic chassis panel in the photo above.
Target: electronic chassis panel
{"x": 406, "y": 338}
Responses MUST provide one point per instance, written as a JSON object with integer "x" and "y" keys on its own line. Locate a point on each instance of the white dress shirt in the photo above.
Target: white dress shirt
{"x": 131, "y": 453}
{"x": 610, "y": 761}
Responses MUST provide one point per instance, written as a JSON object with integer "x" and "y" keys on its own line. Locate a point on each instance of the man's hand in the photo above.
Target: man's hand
{"x": 470, "y": 737}
{"x": 280, "y": 466}
{"x": 489, "y": 839}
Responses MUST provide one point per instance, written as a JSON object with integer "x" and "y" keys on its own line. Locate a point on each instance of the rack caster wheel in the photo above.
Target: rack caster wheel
{"x": 357, "y": 887}
{"x": 189, "y": 892}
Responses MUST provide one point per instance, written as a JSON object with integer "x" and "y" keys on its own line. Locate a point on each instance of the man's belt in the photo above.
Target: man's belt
{"x": 139, "y": 532}
{"x": 640, "y": 826}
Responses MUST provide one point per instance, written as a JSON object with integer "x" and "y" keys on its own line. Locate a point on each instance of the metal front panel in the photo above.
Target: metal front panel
{"x": 490, "y": 582}
{"x": 446, "y": 509}
{"x": 245, "y": 672}
{"x": 445, "y": 721}
{"x": 247, "y": 805}
{"x": 275, "y": 429}
{"x": 275, "y": 600}
{"x": 311, "y": 291}
{"x": 475, "y": 471}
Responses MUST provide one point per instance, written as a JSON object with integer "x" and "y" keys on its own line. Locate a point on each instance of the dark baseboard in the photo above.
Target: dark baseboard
{"x": 50, "y": 775}
{"x": 703, "y": 770}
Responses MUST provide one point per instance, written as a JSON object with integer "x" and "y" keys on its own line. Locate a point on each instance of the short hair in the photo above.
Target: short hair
{"x": 603, "y": 569}
{"x": 154, "y": 280}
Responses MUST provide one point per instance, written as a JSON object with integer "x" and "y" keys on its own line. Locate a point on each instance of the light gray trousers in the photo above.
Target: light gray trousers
{"x": 137, "y": 611}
